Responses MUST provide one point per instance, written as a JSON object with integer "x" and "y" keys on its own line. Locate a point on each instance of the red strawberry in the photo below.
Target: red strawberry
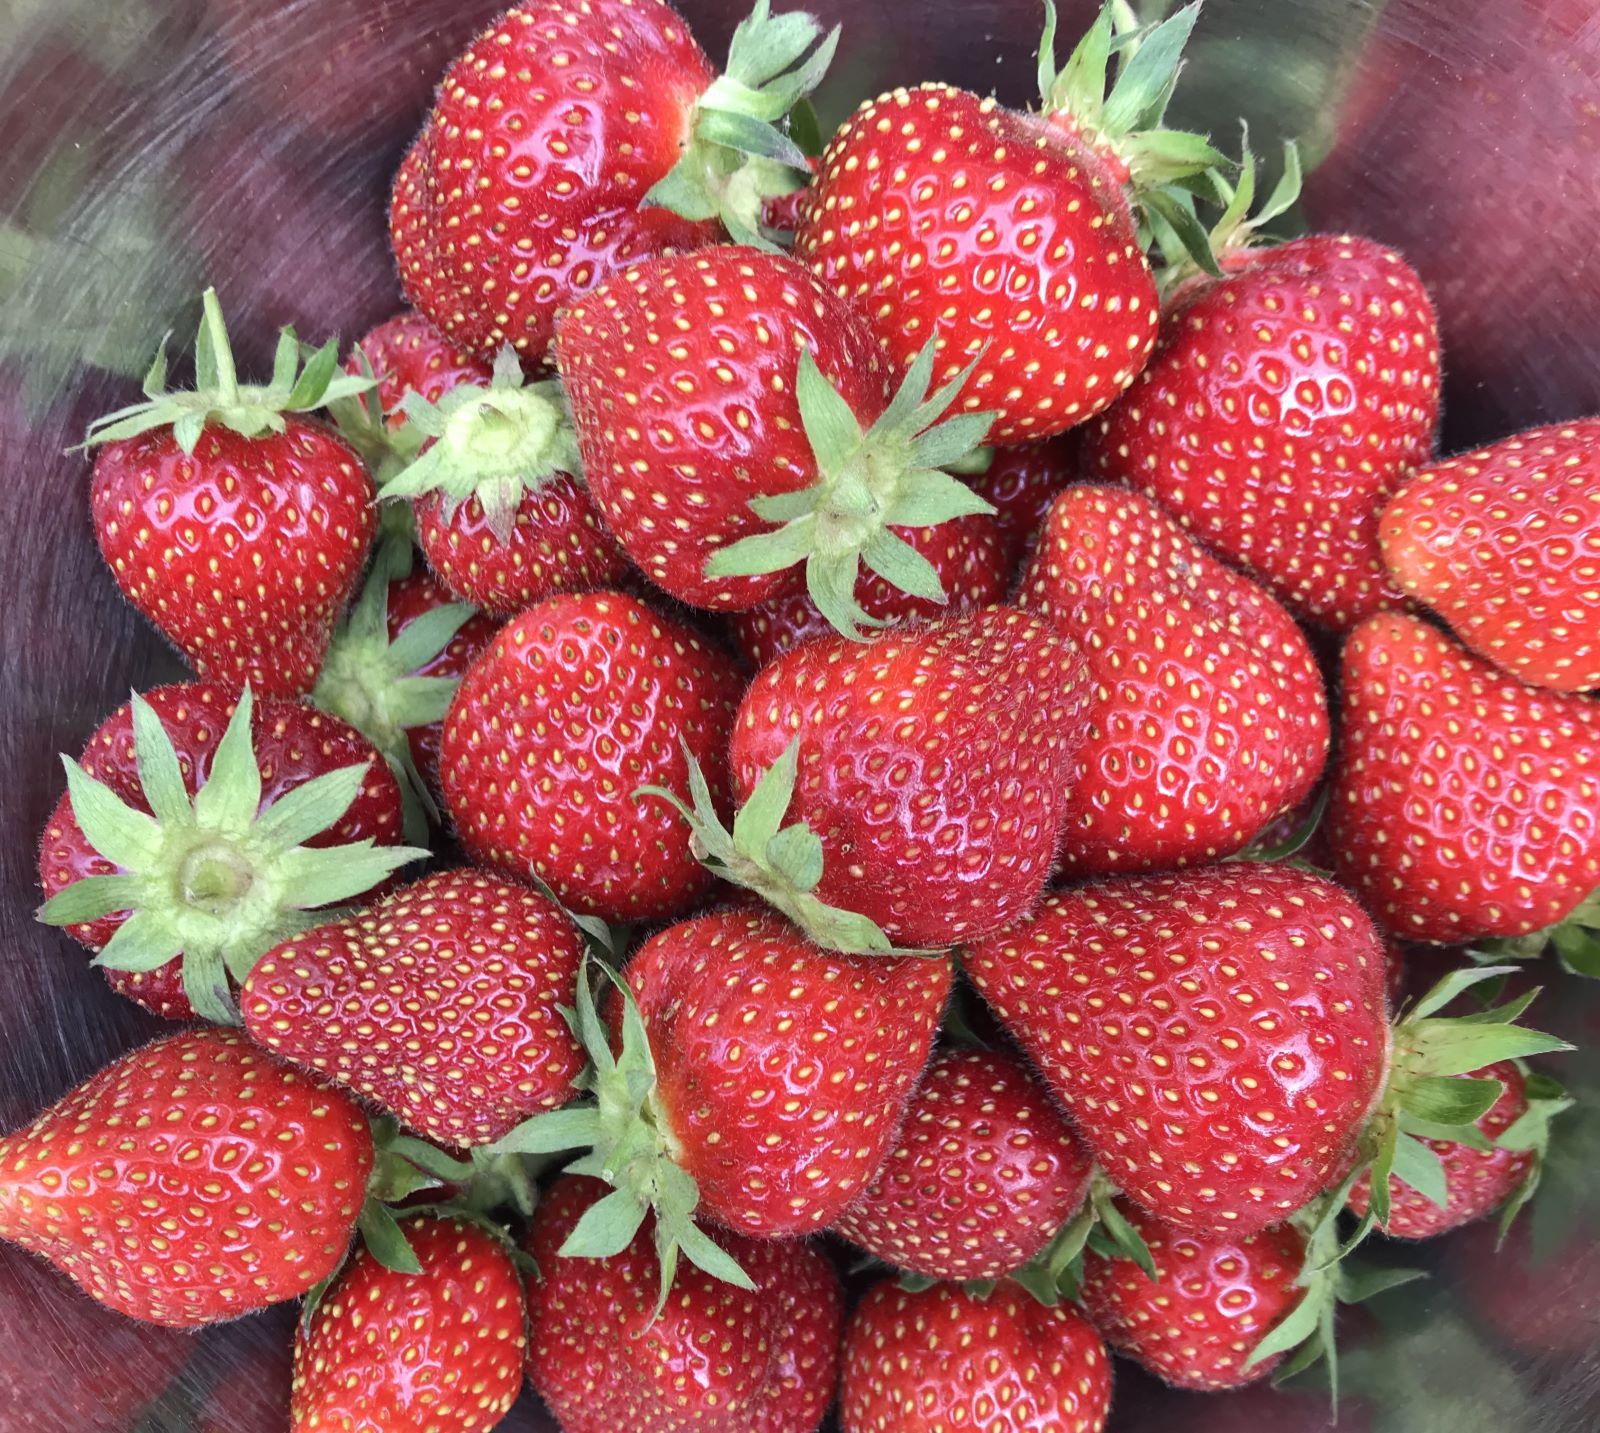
{"x": 577, "y": 704}
{"x": 1020, "y": 483}
{"x": 409, "y": 355}
{"x": 494, "y": 232}
{"x": 438, "y": 1351}
{"x": 1465, "y": 803}
{"x": 946, "y": 1360}
{"x": 1218, "y": 1037}
{"x": 237, "y": 526}
{"x": 213, "y": 829}
{"x": 712, "y": 1358}
{"x": 1504, "y": 544}
{"x": 441, "y": 1003}
{"x": 985, "y": 1172}
{"x": 1208, "y": 718}
{"x": 191, "y": 1180}
{"x": 784, "y": 213}
{"x": 1214, "y": 1298}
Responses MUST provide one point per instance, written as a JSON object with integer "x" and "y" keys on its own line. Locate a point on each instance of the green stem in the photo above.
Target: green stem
{"x": 227, "y": 374}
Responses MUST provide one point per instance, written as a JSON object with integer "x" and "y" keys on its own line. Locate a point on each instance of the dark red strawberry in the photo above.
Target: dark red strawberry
{"x": 1020, "y": 483}
{"x": 214, "y": 827}
{"x": 439, "y": 1351}
{"x": 1208, "y": 718}
{"x": 985, "y": 1172}
{"x": 947, "y": 1359}
{"x": 1504, "y": 544}
{"x": 784, "y": 213}
{"x": 407, "y": 354}
{"x": 191, "y": 1180}
{"x": 236, "y": 525}
{"x": 605, "y": 1355}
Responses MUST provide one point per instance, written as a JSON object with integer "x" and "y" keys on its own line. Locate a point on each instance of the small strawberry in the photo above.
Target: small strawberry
{"x": 200, "y": 829}
{"x": 1208, "y": 718}
{"x": 407, "y": 354}
{"x": 605, "y": 1354}
{"x": 235, "y": 524}
{"x": 985, "y": 1172}
{"x": 1020, "y": 483}
{"x": 441, "y": 1003}
{"x": 1504, "y": 544}
{"x": 438, "y": 1351}
{"x": 192, "y": 1180}
{"x": 783, "y": 214}
{"x": 577, "y": 704}
{"x": 947, "y": 1360}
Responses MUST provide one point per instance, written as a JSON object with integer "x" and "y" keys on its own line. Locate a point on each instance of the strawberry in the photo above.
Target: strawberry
{"x": 754, "y": 432}
{"x": 1504, "y": 544}
{"x": 199, "y": 829}
{"x": 1020, "y": 483}
{"x": 573, "y": 707}
{"x": 409, "y": 355}
{"x": 984, "y": 1173}
{"x": 441, "y": 1003}
{"x": 1465, "y": 803}
{"x": 192, "y": 1180}
{"x": 438, "y": 1351}
{"x": 605, "y": 1355}
{"x": 1211, "y": 1302}
{"x": 946, "y": 1360}
{"x": 1010, "y": 239}
{"x": 494, "y": 234}
{"x": 236, "y": 525}
{"x": 1208, "y": 718}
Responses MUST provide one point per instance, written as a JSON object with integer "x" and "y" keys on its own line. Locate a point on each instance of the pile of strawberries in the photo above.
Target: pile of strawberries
{"x": 851, "y": 638}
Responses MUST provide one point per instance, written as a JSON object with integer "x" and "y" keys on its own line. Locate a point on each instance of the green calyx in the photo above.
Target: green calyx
{"x": 1056, "y": 1272}
{"x": 218, "y": 397}
{"x": 1575, "y": 941}
{"x": 739, "y": 154}
{"x": 892, "y": 475}
{"x": 385, "y": 447}
{"x": 215, "y": 880}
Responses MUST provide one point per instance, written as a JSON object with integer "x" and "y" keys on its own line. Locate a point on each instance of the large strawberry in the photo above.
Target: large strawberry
{"x": 199, "y": 829}
{"x": 605, "y": 1354}
{"x": 1504, "y": 544}
{"x": 948, "y": 1360}
{"x": 565, "y": 143}
{"x": 1010, "y": 239}
{"x": 577, "y": 704}
{"x": 235, "y": 524}
{"x": 1020, "y": 483}
{"x": 1208, "y": 718}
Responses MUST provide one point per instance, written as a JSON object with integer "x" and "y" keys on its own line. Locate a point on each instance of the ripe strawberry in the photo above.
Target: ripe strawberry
{"x": 1504, "y": 544}
{"x": 441, "y": 1003}
{"x": 985, "y": 1172}
{"x": 438, "y": 1351}
{"x": 1208, "y": 718}
{"x": 945, "y": 1360}
{"x": 192, "y": 1180}
{"x": 1465, "y": 803}
{"x": 1218, "y": 1037}
{"x": 1009, "y": 239}
{"x": 237, "y": 526}
{"x": 407, "y": 354}
{"x": 1212, "y": 1301}
{"x": 199, "y": 829}
{"x": 494, "y": 234}
{"x": 1020, "y": 483}
{"x": 604, "y": 1355}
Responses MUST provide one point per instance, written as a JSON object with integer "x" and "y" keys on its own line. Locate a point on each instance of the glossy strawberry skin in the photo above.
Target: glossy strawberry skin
{"x": 1218, "y": 1037}
{"x": 682, "y": 423}
{"x": 945, "y": 1360}
{"x": 435, "y": 1352}
{"x": 577, "y": 704}
{"x": 933, "y": 766}
{"x": 409, "y": 355}
{"x": 1212, "y": 1301}
{"x": 985, "y": 1172}
{"x": 441, "y": 1003}
{"x": 1465, "y": 803}
{"x": 1504, "y": 544}
{"x": 719, "y": 1359}
{"x": 941, "y": 215}
{"x": 244, "y": 552}
{"x": 1208, "y": 717}
{"x": 563, "y": 119}
{"x": 1020, "y": 483}
{"x": 293, "y": 743}
{"x": 1286, "y": 402}
{"x": 783, "y": 1069}
{"x": 235, "y": 1182}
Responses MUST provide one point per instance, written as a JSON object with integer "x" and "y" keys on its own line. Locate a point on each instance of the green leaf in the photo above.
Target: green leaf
{"x": 1301, "y": 1324}
{"x": 831, "y": 584}
{"x": 160, "y": 774}
{"x": 1047, "y": 52}
{"x": 831, "y": 428}
{"x": 205, "y": 986}
{"x": 425, "y": 637}
{"x": 1420, "y": 1167}
{"x": 901, "y": 565}
{"x": 231, "y": 795}
{"x": 1467, "y": 1134}
{"x": 759, "y": 819}
{"x": 142, "y": 943}
{"x": 1080, "y": 87}
{"x": 1191, "y": 234}
{"x": 1449, "y": 1101}
{"x": 764, "y": 552}
{"x": 125, "y": 837}
{"x": 555, "y": 1131}
{"x": 320, "y": 876}
{"x": 311, "y": 808}
{"x": 1124, "y": 1237}
{"x": 934, "y": 497}
{"x": 1449, "y": 1047}
{"x": 705, "y": 1254}
{"x": 796, "y": 854}
{"x": 1457, "y": 983}
{"x": 749, "y": 135}
{"x": 606, "y": 1227}
{"x": 1358, "y": 1283}
{"x": 1136, "y": 99}
{"x": 805, "y": 129}
{"x": 312, "y": 385}
{"x": 386, "y": 1241}
{"x": 90, "y": 899}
